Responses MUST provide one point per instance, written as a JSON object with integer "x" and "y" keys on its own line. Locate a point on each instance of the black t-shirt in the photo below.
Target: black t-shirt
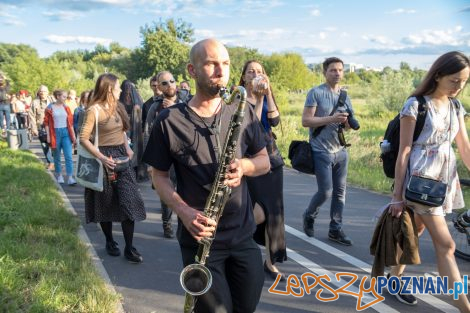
{"x": 184, "y": 139}
{"x": 146, "y": 107}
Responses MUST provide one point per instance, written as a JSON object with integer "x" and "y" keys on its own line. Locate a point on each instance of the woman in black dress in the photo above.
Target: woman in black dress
{"x": 120, "y": 200}
{"x": 266, "y": 190}
{"x": 132, "y": 101}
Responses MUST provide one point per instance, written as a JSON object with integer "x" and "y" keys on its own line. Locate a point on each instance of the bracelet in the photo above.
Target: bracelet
{"x": 272, "y": 111}
{"x": 396, "y": 202}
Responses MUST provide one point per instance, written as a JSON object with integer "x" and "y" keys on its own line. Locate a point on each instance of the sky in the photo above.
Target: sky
{"x": 373, "y": 33}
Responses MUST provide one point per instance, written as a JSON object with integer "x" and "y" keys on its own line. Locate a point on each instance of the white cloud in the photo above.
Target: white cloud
{"x": 62, "y": 15}
{"x": 14, "y": 22}
{"x": 9, "y": 19}
{"x": 315, "y": 12}
{"x": 256, "y": 5}
{"x": 452, "y": 37}
{"x": 331, "y": 29}
{"x": 382, "y": 40}
{"x": 250, "y": 34}
{"x": 322, "y": 35}
{"x": 402, "y": 11}
{"x": 204, "y": 33}
{"x": 58, "y": 39}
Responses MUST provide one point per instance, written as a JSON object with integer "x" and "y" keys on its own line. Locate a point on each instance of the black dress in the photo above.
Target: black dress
{"x": 267, "y": 191}
{"x": 119, "y": 201}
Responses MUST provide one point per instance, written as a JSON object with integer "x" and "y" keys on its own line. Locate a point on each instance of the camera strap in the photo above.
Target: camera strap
{"x": 341, "y": 102}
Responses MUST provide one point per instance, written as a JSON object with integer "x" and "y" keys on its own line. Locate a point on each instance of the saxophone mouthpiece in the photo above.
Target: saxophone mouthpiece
{"x": 222, "y": 91}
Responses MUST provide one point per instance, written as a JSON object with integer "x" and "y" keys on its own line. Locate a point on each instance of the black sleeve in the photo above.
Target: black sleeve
{"x": 157, "y": 153}
{"x": 145, "y": 108}
{"x": 274, "y": 121}
{"x": 253, "y": 135}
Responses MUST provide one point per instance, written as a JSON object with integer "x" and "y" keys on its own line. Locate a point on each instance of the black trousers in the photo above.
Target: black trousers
{"x": 166, "y": 211}
{"x": 237, "y": 278}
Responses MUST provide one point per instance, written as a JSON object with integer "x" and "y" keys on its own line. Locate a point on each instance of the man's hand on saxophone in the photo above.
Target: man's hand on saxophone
{"x": 254, "y": 166}
{"x": 197, "y": 224}
{"x": 234, "y": 173}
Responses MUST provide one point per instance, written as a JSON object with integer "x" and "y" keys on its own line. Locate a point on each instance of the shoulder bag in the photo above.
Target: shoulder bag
{"x": 89, "y": 169}
{"x": 429, "y": 191}
{"x": 301, "y": 156}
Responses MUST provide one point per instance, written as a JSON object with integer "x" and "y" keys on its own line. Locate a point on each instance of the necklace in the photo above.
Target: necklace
{"x": 214, "y": 127}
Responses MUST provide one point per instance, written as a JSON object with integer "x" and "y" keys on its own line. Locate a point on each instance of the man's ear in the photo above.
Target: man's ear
{"x": 191, "y": 70}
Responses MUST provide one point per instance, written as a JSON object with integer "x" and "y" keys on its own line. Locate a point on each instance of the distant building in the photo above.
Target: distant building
{"x": 352, "y": 67}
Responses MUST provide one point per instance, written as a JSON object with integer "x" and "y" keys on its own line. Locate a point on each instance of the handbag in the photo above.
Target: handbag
{"x": 426, "y": 191}
{"x": 89, "y": 169}
{"x": 122, "y": 164}
{"x": 42, "y": 135}
{"x": 301, "y": 156}
{"x": 429, "y": 191}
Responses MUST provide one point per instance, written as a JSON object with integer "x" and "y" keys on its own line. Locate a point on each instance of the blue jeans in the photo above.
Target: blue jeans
{"x": 5, "y": 111}
{"x": 64, "y": 143}
{"x": 331, "y": 170}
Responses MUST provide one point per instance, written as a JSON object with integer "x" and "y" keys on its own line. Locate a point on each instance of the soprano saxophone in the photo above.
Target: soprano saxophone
{"x": 196, "y": 279}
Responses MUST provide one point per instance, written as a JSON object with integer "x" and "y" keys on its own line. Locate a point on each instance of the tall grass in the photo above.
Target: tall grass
{"x": 43, "y": 265}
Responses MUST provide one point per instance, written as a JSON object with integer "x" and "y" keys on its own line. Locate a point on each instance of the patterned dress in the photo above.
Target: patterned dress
{"x": 430, "y": 155}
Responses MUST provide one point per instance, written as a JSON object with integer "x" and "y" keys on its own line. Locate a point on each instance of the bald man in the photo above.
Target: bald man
{"x": 185, "y": 135}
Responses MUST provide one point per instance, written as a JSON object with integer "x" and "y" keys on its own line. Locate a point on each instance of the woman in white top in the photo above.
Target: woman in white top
{"x": 58, "y": 121}
{"x": 432, "y": 156}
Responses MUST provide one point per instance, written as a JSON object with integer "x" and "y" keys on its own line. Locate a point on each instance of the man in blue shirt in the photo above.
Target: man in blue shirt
{"x": 330, "y": 155}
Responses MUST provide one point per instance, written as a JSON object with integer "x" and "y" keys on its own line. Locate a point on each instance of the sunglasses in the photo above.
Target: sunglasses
{"x": 167, "y": 82}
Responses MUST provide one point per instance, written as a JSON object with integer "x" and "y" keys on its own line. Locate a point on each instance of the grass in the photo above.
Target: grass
{"x": 43, "y": 265}
{"x": 365, "y": 167}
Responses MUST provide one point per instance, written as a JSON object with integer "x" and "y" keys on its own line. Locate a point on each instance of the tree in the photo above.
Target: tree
{"x": 28, "y": 71}
{"x": 9, "y": 51}
{"x": 289, "y": 71}
{"x": 238, "y": 57}
{"x": 405, "y": 66}
{"x": 164, "y": 47}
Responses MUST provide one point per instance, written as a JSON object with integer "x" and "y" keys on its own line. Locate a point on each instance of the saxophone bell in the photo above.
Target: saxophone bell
{"x": 196, "y": 279}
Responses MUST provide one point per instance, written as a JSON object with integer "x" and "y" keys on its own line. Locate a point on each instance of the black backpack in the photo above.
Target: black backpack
{"x": 389, "y": 153}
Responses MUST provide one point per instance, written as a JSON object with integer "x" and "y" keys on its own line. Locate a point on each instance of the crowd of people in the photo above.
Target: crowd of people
{"x": 175, "y": 139}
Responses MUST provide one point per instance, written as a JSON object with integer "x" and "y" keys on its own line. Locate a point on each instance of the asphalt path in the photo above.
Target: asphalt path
{"x": 153, "y": 286}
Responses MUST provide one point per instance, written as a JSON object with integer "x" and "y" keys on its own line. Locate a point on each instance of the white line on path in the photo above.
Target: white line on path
{"x": 429, "y": 299}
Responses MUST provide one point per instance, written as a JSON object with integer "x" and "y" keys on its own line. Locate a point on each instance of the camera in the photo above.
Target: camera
{"x": 352, "y": 121}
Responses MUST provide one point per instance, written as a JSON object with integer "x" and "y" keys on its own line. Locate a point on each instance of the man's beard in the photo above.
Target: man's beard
{"x": 209, "y": 88}
{"x": 169, "y": 93}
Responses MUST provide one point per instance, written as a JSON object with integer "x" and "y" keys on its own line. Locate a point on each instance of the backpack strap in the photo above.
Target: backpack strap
{"x": 421, "y": 118}
{"x": 456, "y": 104}
{"x": 341, "y": 102}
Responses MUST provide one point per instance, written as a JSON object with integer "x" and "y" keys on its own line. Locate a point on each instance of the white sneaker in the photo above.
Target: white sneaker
{"x": 60, "y": 179}
{"x": 71, "y": 181}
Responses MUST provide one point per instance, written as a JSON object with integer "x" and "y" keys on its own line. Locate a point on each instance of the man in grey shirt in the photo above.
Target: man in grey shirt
{"x": 330, "y": 156}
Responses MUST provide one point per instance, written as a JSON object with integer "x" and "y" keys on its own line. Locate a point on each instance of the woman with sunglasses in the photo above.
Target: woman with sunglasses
{"x": 266, "y": 191}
